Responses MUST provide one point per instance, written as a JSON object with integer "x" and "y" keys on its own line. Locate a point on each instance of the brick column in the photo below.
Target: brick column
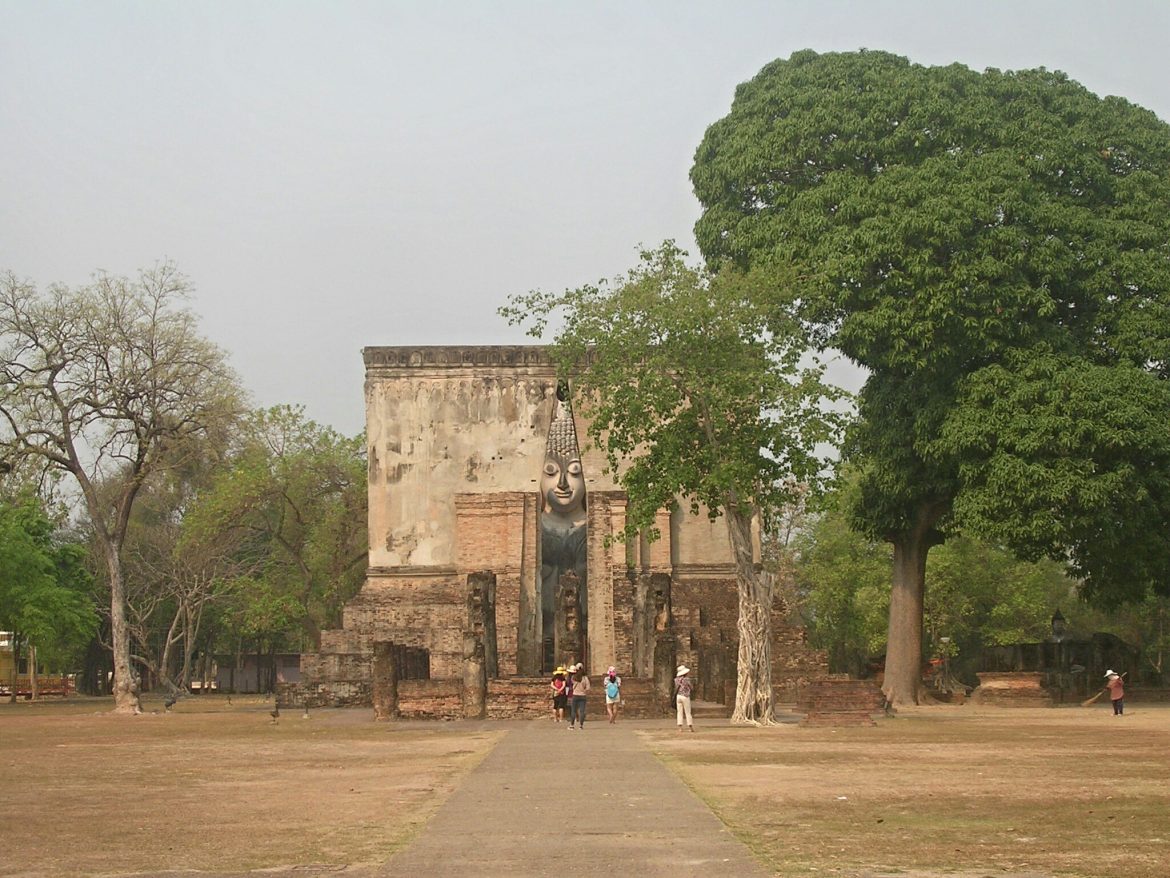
{"x": 606, "y": 509}
{"x": 481, "y": 616}
{"x": 529, "y": 635}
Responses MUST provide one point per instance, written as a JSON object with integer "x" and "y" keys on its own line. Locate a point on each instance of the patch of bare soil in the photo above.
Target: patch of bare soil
{"x": 962, "y": 792}
{"x": 212, "y": 787}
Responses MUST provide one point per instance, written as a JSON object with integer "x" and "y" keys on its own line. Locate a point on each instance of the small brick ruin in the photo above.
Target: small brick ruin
{"x": 1012, "y": 689}
{"x": 449, "y": 623}
{"x": 839, "y": 700}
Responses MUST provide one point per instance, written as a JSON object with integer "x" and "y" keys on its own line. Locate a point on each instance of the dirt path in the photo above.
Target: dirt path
{"x": 595, "y": 802}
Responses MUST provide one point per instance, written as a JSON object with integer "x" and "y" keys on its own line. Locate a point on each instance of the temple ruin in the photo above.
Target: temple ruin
{"x": 495, "y": 544}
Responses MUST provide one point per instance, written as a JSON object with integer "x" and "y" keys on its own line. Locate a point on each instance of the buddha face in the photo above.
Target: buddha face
{"x": 562, "y": 484}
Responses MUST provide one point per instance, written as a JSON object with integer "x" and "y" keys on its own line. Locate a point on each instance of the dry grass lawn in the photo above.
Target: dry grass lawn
{"x": 954, "y": 791}
{"x": 944, "y": 791}
{"x": 213, "y": 787}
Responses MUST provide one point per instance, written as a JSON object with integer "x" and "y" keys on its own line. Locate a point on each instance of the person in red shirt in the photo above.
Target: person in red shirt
{"x": 1116, "y": 692}
{"x": 560, "y": 694}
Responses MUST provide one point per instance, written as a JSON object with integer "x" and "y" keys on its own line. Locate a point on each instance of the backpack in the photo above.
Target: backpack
{"x": 611, "y": 688}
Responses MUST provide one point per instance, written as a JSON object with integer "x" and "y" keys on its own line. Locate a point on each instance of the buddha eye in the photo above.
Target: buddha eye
{"x": 551, "y": 469}
{"x": 575, "y": 468}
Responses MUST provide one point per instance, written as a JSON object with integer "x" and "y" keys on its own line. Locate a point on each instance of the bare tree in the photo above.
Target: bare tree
{"x": 170, "y": 579}
{"x": 111, "y": 381}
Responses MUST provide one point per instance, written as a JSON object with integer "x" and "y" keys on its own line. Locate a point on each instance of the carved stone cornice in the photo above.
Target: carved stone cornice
{"x": 705, "y": 571}
{"x": 494, "y": 359}
{"x": 411, "y": 572}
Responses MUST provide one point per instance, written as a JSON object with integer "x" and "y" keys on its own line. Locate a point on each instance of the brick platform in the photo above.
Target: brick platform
{"x": 841, "y": 701}
{"x": 1015, "y": 689}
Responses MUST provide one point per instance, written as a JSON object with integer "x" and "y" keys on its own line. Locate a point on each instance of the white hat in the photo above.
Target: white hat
{"x": 1110, "y": 674}
{"x": 682, "y": 669}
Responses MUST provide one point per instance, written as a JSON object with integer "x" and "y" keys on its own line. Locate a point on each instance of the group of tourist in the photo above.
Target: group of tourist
{"x": 570, "y": 686}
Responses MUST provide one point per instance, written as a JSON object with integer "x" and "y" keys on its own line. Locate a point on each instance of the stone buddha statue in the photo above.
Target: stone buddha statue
{"x": 562, "y": 519}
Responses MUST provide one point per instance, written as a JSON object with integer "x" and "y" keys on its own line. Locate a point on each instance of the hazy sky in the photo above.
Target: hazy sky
{"x": 333, "y": 175}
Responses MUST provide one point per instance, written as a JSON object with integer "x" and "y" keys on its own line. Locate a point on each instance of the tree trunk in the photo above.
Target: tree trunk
{"x": 15, "y": 667}
{"x": 753, "y": 689}
{"x": 125, "y": 685}
{"x": 32, "y": 671}
{"x": 902, "y": 683}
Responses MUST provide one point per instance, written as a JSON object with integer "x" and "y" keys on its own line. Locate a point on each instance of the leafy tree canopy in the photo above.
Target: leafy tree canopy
{"x": 1071, "y": 460}
{"x": 42, "y": 582}
{"x": 942, "y": 222}
{"x": 939, "y": 216}
{"x": 294, "y": 497}
{"x": 687, "y": 388}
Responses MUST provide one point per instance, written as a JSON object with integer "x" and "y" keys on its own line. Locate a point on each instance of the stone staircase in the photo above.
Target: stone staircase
{"x": 709, "y": 710}
{"x": 529, "y": 698}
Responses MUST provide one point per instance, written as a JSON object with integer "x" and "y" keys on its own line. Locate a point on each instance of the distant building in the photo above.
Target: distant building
{"x": 257, "y": 673}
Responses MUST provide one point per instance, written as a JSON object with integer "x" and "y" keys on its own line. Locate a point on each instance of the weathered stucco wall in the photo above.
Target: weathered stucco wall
{"x": 442, "y": 421}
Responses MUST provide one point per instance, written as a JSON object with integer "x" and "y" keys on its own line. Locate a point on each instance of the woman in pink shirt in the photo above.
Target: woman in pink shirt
{"x": 580, "y": 689}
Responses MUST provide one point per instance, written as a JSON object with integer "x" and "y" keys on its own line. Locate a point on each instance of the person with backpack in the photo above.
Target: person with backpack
{"x": 560, "y": 695}
{"x": 613, "y": 694}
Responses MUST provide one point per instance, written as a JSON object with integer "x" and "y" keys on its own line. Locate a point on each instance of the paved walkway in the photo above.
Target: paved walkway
{"x": 618, "y": 811}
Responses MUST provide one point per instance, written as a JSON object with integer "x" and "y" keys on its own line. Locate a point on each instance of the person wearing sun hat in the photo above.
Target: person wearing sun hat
{"x": 577, "y": 703}
{"x": 1116, "y": 687}
{"x": 683, "y": 686}
{"x": 560, "y": 696}
{"x": 613, "y": 693}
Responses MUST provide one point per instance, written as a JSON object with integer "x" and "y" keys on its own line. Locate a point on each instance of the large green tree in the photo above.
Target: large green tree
{"x": 293, "y": 497}
{"x": 944, "y": 223}
{"x": 691, "y": 394}
{"x": 43, "y": 600}
{"x": 109, "y": 383}
{"x": 950, "y": 230}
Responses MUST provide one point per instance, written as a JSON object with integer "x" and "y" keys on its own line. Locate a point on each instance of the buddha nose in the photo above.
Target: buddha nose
{"x": 563, "y": 481}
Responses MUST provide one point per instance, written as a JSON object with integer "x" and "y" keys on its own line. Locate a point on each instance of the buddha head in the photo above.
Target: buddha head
{"x": 562, "y": 484}
{"x": 562, "y": 481}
